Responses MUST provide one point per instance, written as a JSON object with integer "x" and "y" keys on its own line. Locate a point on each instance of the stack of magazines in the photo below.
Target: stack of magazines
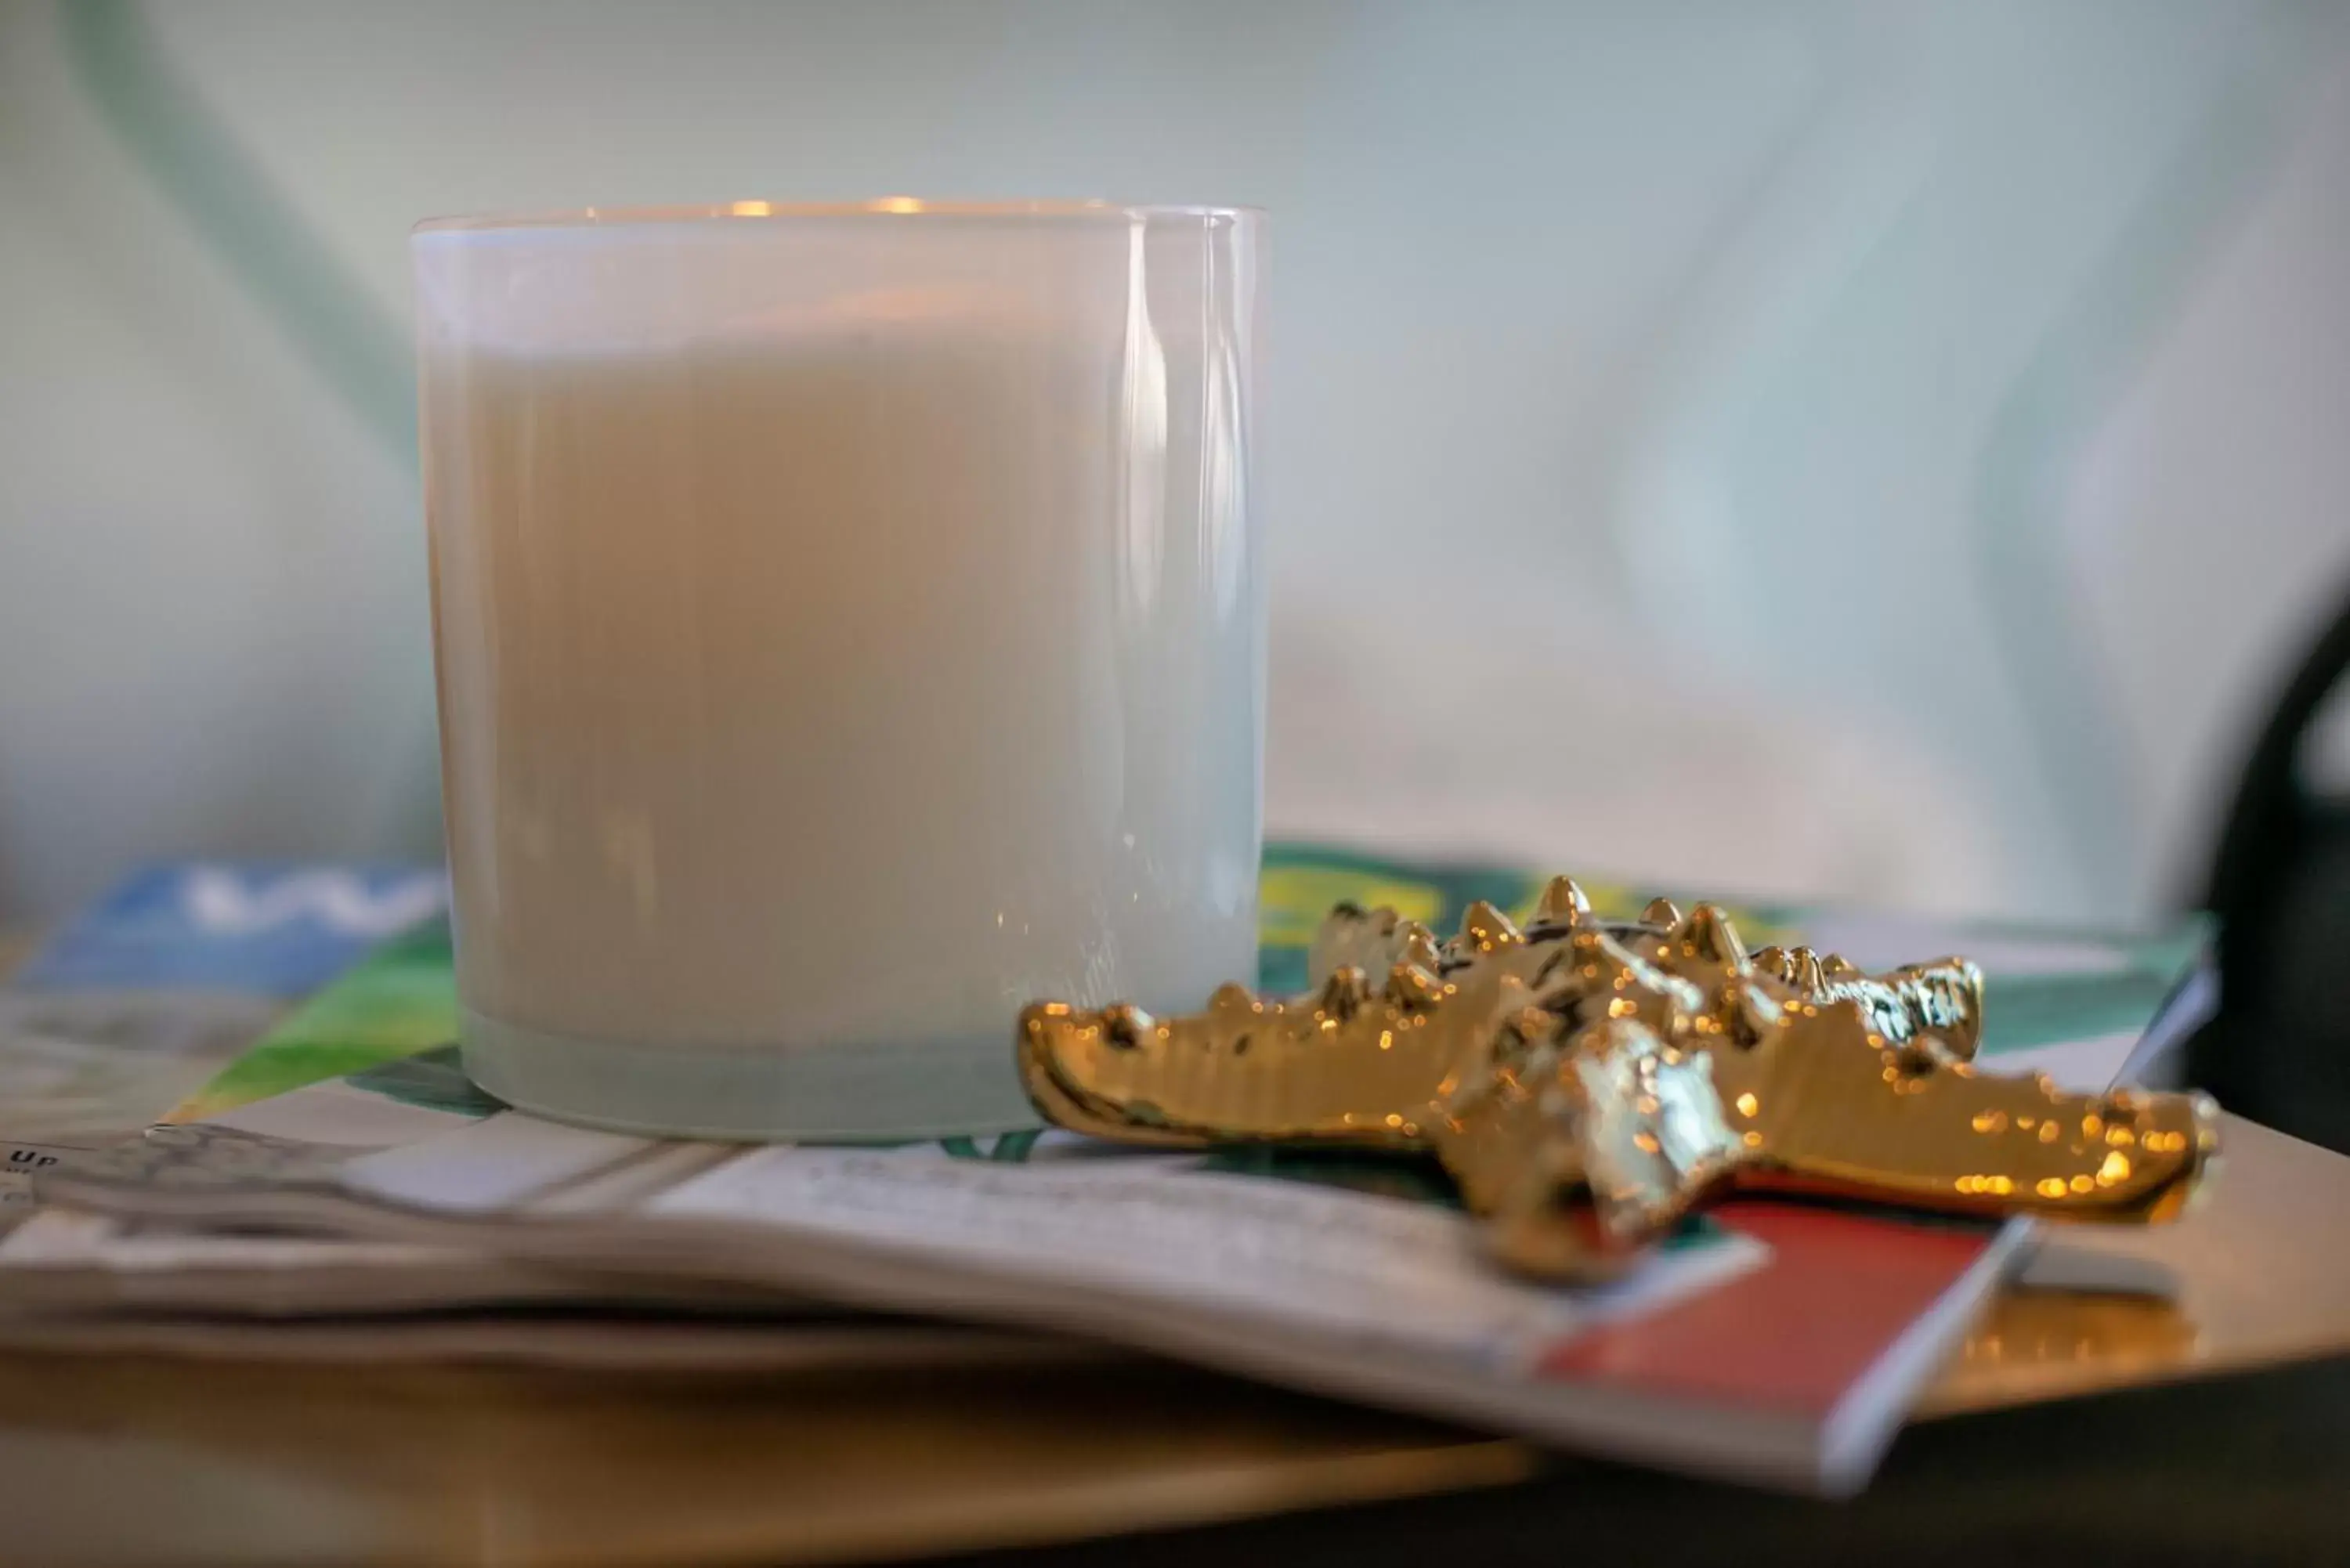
{"x": 234, "y": 1124}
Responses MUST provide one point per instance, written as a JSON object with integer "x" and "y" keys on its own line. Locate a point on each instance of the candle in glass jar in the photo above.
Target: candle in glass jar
{"x": 850, "y": 629}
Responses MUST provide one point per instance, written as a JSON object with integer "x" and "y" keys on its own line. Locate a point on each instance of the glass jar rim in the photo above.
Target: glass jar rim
{"x": 885, "y": 207}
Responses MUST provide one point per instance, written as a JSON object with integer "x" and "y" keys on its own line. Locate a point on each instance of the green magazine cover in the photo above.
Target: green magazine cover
{"x": 2044, "y": 984}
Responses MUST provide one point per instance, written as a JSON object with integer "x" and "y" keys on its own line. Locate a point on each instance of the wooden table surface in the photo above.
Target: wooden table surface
{"x": 129, "y": 1460}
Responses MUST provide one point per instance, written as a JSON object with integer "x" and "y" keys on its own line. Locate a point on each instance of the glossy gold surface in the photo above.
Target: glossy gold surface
{"x": 2253, "y": 1279}
{"x": 1585, "y": 1083}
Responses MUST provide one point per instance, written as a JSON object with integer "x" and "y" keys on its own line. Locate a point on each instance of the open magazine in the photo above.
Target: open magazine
{"x": 1773, "y": 1341}
{"x": 172, "y": 974}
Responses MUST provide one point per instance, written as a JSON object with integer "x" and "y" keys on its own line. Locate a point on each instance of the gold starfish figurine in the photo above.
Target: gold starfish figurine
{"x": 1586, "y": 1083}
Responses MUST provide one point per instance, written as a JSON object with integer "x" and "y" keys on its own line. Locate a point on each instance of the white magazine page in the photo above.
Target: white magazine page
{"x": 1308, "y": 1248}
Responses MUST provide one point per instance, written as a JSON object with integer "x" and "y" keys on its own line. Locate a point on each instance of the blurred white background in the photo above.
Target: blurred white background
{"x": 1881, "y": 450}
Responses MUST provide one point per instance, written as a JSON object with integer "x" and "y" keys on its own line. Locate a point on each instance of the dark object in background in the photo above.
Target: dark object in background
{"x": 2279, "y": 1051}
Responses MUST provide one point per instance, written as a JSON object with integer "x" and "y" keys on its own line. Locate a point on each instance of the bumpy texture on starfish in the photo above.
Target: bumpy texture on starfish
{"x": 1585, "y": 1083}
